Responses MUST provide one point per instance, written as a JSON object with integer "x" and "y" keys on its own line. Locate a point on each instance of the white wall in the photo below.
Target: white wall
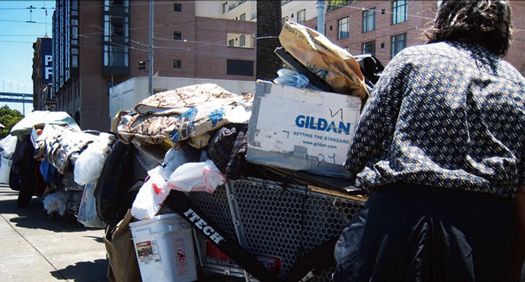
{"x": 295, "y": 6}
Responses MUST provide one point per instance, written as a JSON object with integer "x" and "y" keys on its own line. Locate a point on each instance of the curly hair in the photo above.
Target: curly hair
{"x": 483, "y": 22}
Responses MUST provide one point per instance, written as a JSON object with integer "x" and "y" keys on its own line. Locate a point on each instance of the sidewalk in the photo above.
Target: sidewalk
{"x": 34, "y": 247}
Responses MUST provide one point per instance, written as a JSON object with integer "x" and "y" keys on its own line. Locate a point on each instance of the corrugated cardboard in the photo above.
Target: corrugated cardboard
{"x": 301, "y": 129}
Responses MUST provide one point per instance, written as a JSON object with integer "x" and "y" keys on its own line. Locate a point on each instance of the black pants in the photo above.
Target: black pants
{"x": 420, "y": 233}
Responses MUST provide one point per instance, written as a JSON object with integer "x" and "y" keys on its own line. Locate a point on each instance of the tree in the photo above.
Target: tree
{"x": 8, "y": 118}
{"x": 336, "y": 4}
{"x": 269, "y": 24}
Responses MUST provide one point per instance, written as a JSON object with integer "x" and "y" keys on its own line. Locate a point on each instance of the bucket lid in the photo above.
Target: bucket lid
{"x": 170, "y": 217}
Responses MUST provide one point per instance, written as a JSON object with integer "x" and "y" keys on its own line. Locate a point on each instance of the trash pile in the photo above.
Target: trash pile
{"x": 197, "y": 142}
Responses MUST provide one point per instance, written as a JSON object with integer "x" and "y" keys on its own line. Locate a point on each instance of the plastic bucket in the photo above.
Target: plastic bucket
{"x": 164, "y": 249}
{"x": 5, "y": 168}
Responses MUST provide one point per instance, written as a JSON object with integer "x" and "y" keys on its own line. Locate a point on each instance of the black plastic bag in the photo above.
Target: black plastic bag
{"x": 116, "y": 178}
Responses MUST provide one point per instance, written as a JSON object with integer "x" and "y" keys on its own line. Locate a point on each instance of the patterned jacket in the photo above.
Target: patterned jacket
{"x": 446, "y": 114}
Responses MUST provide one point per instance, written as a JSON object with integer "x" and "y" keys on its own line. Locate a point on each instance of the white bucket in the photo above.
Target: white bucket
{"x": 164, "y": 249}
{"x": 5, "y": 168}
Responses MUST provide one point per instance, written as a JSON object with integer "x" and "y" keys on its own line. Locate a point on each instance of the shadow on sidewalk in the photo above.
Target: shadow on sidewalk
{"x": 85, "y": 271}
{"x": 34, "y": 216}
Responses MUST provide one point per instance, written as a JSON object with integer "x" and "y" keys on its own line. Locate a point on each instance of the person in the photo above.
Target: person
{"x": 440, "y": 146}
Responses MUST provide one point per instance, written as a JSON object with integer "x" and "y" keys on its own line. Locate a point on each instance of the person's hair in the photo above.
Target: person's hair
{"x": 483, "y": 22}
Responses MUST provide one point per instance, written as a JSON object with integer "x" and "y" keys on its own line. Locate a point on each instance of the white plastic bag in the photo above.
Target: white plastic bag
{"x": 56, "y": 202}
{"x": 150, "y": 197}
{"x": 87, "y": 212}
{"x": 8, "y": 144}
{"x": 202, "y": 176}
{"x": 291, "y": 78}
{"x": 172, "y": 160}
{"x": 89, "y": 163}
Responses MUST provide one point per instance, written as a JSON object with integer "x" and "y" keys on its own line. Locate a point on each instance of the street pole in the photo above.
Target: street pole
{"x": 150, "y": 49}
{"x": 320, "y": 16}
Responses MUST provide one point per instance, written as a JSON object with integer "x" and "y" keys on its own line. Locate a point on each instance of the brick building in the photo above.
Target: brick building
{"x": 98, "y": 44}
{"x": 42, "y": 75}
{"x": 384, "y": 28}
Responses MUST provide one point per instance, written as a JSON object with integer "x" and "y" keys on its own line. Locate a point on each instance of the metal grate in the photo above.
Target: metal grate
{"x": 278, "y": 221}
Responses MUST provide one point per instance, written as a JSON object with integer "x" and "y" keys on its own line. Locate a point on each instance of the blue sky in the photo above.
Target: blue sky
{"x": 19, "y": 29}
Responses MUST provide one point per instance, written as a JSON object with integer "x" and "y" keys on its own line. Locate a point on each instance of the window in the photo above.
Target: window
{"x": 239, "y": 67}
{"x": 177, "y": 7}
{"x": 301, "y": 16}
{"x": 177, "y": 35}
{"x": 177, "y": 64}
{"x": 242, "y": 17}
{"x": 242, "y": 40}
{"x": 369, "y": 48}
{"x": 399, "y": 11}
{"x": 399, "y": 42}
{"x": 231, "y": 43}
{"x": 224, "y": 7}
{"x": 116, "y": 40}
{"x": 343, "y": 28}
{"x": 369, "y": 20}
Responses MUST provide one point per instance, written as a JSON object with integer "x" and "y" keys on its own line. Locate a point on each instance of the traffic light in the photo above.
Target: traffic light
{"x": 142, "y": 65}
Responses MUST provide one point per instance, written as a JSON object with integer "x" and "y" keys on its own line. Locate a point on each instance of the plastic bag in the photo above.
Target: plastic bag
{"x": 291, "y": 78}
{"x": 8, "y": 145}
{"x": 56, "y": 202}
{"x": 202, "y": 176}
{"x": 150, "y": 197}
{"x": 173, "y": 159}
{"x": 87, "y": 212}
{"x": 88, "y": 165}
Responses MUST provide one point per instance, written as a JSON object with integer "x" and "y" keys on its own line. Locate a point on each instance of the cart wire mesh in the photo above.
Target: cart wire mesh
{"x": 279, "y": 221}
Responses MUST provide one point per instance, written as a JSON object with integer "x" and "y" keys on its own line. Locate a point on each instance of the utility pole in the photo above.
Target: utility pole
{"x": 150, "y": 49}
{"x": 320, "y": 16}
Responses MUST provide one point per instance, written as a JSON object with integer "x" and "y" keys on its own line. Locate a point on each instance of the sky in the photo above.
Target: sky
{"x": 20, "y": 26}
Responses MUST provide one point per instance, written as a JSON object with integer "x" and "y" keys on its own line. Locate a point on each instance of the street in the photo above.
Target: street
{"x": 35, "y": 247}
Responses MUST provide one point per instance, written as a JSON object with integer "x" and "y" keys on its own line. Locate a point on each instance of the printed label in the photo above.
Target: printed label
{"x": 180, "y": 256}
{"x": 148, "y": 251}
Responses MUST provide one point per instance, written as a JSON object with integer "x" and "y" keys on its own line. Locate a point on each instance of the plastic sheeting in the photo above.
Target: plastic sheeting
{"x": 36, "y": 118}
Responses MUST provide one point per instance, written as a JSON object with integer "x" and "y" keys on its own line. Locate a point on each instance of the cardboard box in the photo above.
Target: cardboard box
{"x": 301, "y": 129}
{"x": 35, "y": 132}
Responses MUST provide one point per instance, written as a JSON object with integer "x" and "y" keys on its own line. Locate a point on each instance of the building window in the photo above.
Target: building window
{"x": 399, "y": 11}
{"x": 369, "y": 20}
{"x": 231, "y": 43}
{"x": 177, "y": 64}
{"x": 242, "y": 40}
{"x": 116, "y": 40}
{"x": 301, "y": 16}
{"x": 242, "y": 17}
{"x": 343, "y": 28}
{"x": 369, "y": 48}
{"x": 177, "y": 7}
{"x": 224, "y": 7}
{"x": 177, "y": 35}
{"x": 239, "y": 67}
{"x": 399, "y": 42}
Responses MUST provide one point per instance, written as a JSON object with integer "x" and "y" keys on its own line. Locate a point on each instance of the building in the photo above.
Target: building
{"x": 43, "y": 98}
{"x": 384, "y": 28}
{"x": 99, "y": 44}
